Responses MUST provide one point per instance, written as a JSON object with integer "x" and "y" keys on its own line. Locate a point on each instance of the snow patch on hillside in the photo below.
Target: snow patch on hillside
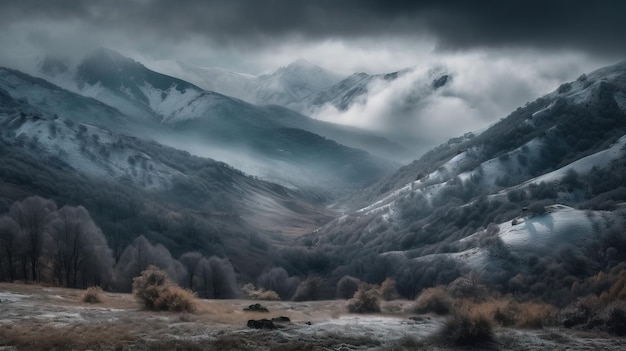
{"x": 540, "y": 235}
{"x": 598, "y": 160}
{"x": 93, "y": 151}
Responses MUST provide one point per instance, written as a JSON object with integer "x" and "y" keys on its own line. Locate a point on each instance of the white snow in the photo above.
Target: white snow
{"x": 584, "y": 165}
{"x": 540, "y": 235}
{"x": 87, "y": 154}
{"x": 284, "y": 86}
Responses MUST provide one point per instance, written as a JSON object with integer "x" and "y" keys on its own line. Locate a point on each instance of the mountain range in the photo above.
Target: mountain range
{"x": 542, "y": 187}
{"x": 271, "y": 142}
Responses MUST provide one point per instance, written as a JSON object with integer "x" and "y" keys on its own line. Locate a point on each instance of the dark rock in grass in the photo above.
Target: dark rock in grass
{"x": 256, "y": 308}
{"x": 261, "y": 324}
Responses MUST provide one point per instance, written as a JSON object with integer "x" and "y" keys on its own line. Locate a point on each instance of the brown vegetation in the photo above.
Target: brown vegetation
{"x": 434, "y": 300}
{"x": 468, "y": 327}
{"x": 92, "y": 295}
{"x": 261, "y": 294}
{"x": 365, "y": 300}
{"x": 26, "y": 336}
{"x": 156, "y": 292}
{"x": 388, "y": 290}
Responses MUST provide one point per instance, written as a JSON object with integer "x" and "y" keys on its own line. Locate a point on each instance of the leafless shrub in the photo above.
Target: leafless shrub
{"x": 388, "y": 289}
{"x": 141, "y": 254}
{"x": 468, "y": 327}
{"x": 310, "y": 289}
{"x": 278, "y": 280}
{"x": 615, "y": 319}
{"x": 365, "y": 300}
{"x": 178, "y": 299}
{"x": 92, "y": 295}
{"x": 434, "y": 300}
{"x": 535, "y": 315}
{"x": 154, "y": 290}
{"x": 261, "y": 294}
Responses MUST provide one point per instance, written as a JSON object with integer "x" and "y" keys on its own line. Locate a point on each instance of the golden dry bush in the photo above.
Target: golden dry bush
{"x": 92, "y": 294}
{"x": 502, "y": 311}
{"x": 261, "y": 294}
{"x": 388, "y": 289}
{"x": 178, "y": 299}
{"x": 468, "y": 327}
{"x": 268, "y": 295}
{"x": 535, "y": 315}
{"x": 155, "y": 291}
{"x": 365, "y": 300}
{"x": 434, "y": 300}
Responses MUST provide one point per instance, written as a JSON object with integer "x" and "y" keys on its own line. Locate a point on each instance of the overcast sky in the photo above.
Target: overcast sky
{"x": 513, "y": 50}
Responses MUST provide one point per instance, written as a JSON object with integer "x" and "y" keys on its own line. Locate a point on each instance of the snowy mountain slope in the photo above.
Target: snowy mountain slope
{"x": 528, "y": 237}
{"x": 219, "y": 80}
{"x": 557, "y": 128}
{"x": 252, "y": 138}
{"x": 568, "y": 147}
{"x": 118, "y": 81}
{"x": 50, "y": 99}
{"x": 287, "y": 85}
{"x": 292, "y": 83}
{"x": 107, "y": 156}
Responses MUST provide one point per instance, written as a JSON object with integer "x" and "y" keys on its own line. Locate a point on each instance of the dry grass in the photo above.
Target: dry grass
{"x": 156, "y": 292}
{"x": 536, "y": 315}
{"x": 434, "y": 300}
{"x": 468, "y": 327}
{"x": 266, "y": 295}
{"x": 388, "y": 289}
{"x": 261, "y": 294}
{"x": 365, "y": 300}
{"x": 92, "y": 295}
{"x": 507, "y": 312}
{"x": 178, "y": 299}
{"x": 45, "y": 337}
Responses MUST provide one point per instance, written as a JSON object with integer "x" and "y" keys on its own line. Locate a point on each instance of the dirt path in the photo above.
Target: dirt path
{"x": 36, "y": 317}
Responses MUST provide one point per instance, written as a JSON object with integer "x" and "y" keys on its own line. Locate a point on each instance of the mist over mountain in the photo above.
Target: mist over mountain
{"x": 276, "y": 144}
{"x": 285, "y": 86}
{"x": 416, "y": 107}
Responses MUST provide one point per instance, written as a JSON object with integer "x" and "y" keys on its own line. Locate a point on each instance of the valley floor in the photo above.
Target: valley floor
{"x": 34, "y": 317}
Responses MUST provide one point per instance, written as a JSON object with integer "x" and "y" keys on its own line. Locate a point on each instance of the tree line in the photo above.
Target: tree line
{"x": 40, "y": 242}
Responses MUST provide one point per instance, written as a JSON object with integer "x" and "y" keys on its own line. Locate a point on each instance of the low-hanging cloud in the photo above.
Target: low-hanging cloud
{"x": 483, "y": 88}
{"x": 501, "y": 53}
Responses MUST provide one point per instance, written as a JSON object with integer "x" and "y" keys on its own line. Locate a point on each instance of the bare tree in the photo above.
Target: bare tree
{"x": 312, "y": 288}
{"x": 347, "y": 287}
{"x": 81, "y": 248}
{"x": 33, "y": 216}
{"x": 277, "y": 279}
{"x": 204, "y": 278}
{"x": 9, "y": 231}
{"x": 138, "y": 256}
{"x": 190, "y": 261}
{"x": 216, "y": 279}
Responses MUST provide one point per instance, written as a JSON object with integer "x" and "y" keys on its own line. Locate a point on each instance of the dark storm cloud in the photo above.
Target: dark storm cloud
{"x": 596, "y": 26}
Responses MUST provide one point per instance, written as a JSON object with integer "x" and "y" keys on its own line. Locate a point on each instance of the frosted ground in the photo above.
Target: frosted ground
{"x": 37, "y": 312}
